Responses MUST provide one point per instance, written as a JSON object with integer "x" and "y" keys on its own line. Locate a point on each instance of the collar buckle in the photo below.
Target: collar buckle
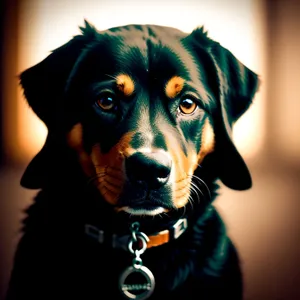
{"x": 179, "y": 228}
{"x": 94, "y": 232}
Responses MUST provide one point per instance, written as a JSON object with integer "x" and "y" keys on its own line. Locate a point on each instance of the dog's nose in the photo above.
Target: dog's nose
{"x": 152, "y": 169}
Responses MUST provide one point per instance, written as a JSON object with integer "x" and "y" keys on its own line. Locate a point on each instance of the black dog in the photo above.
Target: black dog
{"x": 139, "y": 130}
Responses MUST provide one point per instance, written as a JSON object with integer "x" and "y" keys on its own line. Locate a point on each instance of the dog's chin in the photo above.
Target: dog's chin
{"x": 139, "y": 211}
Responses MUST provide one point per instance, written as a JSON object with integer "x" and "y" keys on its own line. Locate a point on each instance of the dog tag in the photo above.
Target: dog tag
{"x": 137, "y": 282}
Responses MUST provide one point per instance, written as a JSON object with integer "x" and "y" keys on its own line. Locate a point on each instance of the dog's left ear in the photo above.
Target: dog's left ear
{"x": 235, "y": 86}
{"x": 44, "y": 83}
{"x": 44, "y": 89}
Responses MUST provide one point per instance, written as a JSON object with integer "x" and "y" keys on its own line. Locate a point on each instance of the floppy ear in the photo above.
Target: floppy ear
{"x": 236, "y": 87}
{"x": 44, "y": 84}
{"x": 44, "y": 88}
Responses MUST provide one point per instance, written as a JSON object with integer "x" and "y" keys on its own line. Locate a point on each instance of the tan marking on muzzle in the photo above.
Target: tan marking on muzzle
{"x": 109, "y": 168}
{"x": 174, "y": 86}
{"x": 125, "y": 84}
{"x": 106, "y": 169}
{"x": 182, "y": 170}
{"x": 75, "y": 142}
{"x": 207, "y": 140}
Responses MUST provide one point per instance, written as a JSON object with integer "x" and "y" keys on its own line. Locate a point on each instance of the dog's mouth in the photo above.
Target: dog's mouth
{"x": 147, "y": 207}
{"x": 143, "y": 210}
{"x": 142, "y": 200}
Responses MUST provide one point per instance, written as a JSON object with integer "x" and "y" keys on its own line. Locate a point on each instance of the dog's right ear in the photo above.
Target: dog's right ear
{"x": 234, "y": 87}
{"x": 44, "y": 87}
{"x": 44, "y": 84}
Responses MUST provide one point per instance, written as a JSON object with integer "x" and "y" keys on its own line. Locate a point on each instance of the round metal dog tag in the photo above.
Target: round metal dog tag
{"x": 137, "y": 282}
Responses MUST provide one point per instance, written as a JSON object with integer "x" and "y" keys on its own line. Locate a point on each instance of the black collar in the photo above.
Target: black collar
{"x": 121, "y": 241}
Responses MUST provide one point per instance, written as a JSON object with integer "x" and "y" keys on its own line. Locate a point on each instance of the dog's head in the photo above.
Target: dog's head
{"x": 142, "y": 107}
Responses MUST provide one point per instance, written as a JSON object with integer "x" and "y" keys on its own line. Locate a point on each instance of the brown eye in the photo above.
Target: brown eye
{"x": 187, "y": 106}
{"x": 106, "y": 102}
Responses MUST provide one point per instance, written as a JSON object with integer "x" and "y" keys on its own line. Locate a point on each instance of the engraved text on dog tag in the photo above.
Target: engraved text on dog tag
{"x": 137, "y": 282}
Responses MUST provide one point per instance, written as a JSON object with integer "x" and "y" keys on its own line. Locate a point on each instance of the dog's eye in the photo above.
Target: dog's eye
{"x": 187, "y": 106}
{"x": 106, "y": 102}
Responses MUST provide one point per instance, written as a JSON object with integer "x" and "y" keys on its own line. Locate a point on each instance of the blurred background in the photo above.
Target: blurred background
{"x": 264, "y": 221}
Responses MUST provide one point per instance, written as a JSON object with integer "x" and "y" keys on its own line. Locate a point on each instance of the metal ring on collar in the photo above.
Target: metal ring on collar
{"x": 140, "y": 236}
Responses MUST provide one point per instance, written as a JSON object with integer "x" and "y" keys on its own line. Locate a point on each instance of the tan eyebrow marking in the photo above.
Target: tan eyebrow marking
{"x": 174, "y": 86}
{"x": 125, "y": 84}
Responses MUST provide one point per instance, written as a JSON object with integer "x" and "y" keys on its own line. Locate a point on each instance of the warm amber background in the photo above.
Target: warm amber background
{"x": 264, "y": 34}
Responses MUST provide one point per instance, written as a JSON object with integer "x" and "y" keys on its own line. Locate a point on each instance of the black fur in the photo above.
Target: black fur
{"x": 54, "y": 258}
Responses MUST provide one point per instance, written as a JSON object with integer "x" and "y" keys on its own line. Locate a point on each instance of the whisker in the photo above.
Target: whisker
{"x": 111, "y": 186}
{"x": 182, "y": 194}
{"x": 108, "y": 190}
{"x": 197, "y": 188}
{"x": 98, "y": 165}
{"x": 183, "y": 211}
{"x": 98, "y": 174}
{"x": 180, "y": 189}
{"x": 191, "y": 201}
{"x": 107, "y": 168}
{"x": 202, "y": 182}
{"x": 111, "y": 76}
{"x": 182, "y": 179}
{"x": 194, "y": 190}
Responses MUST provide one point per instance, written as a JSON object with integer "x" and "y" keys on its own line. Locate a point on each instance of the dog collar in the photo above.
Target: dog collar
{"x": 156, "y": 239}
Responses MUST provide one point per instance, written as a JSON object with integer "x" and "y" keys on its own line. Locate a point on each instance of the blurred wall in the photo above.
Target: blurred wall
{"x": 9, "y": 82}
{"x": 283, "y": 80}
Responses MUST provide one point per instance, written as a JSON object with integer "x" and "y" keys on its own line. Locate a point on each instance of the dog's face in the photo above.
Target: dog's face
{"x": 146, "y": 121}
{"x": 142, "y": 107}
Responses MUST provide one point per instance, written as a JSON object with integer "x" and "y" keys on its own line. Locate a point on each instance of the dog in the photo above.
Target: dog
{"x": 139, "y": 122}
